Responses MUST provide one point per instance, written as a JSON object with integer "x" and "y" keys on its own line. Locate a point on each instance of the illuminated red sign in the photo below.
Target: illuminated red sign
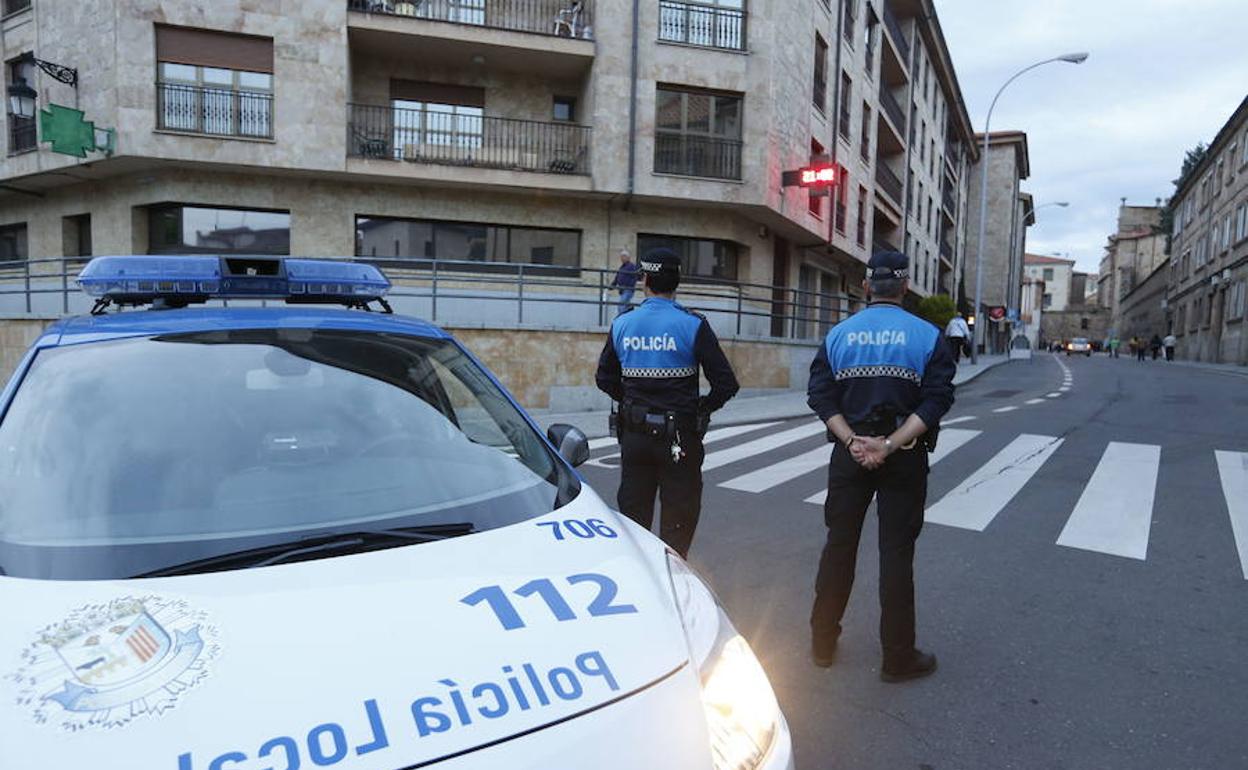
{"x": 817, "y": 176}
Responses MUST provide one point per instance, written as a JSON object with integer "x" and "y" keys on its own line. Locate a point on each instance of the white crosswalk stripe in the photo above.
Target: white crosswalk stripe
{"x": 719, "y": 434}
{"x": 599, "y": 443}
{"x": 1233, "y": 469}
{"x": 950, "y": 440}
{"x": 956, "y": 420}
{"x": 773, "y": 475}
{"x": 760, "y": 445}
{"x": 977, "y": 500}
{"x": 1115, "y": 511}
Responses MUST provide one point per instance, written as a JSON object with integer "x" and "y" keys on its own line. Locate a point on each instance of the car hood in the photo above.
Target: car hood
{"x": 387, "y": 659}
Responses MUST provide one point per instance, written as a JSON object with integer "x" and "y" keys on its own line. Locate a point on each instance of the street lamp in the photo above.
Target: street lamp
{"x": 1070, "y": 58}
{"x": 22, "y": 99}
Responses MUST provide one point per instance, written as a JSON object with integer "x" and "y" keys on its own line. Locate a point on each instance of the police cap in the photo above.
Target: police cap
{"x": 888, "y": 264}
{"x": 662, "y": 269}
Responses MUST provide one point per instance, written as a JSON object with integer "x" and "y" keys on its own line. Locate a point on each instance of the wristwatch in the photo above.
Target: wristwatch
{"x": 888, "y": 444}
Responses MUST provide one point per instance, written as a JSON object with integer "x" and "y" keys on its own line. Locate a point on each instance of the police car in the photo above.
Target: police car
{"x": 296, "y": 536}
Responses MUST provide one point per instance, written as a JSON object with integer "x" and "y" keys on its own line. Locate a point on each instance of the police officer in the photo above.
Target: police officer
{"x": 881, "y": 382}
{"x": 649, "y": 365}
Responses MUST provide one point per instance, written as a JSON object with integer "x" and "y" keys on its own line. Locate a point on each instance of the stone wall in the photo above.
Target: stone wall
{"x": 16, "y": 335}
{"x": 1062, "y": 325}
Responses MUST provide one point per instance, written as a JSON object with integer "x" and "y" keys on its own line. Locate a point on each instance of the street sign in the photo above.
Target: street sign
{"x": 69, "y": 133}
{"x": 818, "y": 175}
{"x": 996, "y": 313}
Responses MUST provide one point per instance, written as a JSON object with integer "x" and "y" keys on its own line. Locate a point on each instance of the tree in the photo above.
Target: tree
{"x": 1191, "y": 159}
{"x": 938, "y": 309}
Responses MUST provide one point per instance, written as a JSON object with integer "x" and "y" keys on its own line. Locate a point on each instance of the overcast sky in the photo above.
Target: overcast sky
{"x": 1162, "y": 76}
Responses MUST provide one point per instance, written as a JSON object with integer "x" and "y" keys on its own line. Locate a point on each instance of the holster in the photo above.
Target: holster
{"x": 660, "y": 426}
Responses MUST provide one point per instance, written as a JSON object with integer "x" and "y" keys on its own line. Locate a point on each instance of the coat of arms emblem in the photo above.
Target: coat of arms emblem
{"x": 107, "y": 664}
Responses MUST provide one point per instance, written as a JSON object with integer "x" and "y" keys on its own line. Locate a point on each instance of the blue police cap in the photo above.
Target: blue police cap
{"x": 888, "y": 264}
{"x": 661, "y": 261}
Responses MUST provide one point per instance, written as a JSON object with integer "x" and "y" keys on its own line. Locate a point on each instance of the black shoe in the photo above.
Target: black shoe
{"x": 823, "y": 655}
{"x": 918, "y": 665}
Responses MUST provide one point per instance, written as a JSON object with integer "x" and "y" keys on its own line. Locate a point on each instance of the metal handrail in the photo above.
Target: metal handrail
{"x": 695, "y": 155}
{"x": 556, "y": 18}
{"x": 802, "y": 314}
{"x": 893, "y": 109}
{"x": 894, "y": 29}
{"x": 430, "y": 136}
{"x": 703, "y": 25}
{"x": 888, "y": 180}
{"x": 216, "y": 111}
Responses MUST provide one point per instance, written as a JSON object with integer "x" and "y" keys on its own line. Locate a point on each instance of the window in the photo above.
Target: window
{"x": 697, "y": 133}
{"x": 392, "y": 237}
{"x": 816, "y": 197}
{"x": 864, "y": 146}
{"x": 1241, "y": 229}
{"x": 847, "y": 23}
{"x": 1048, "y": 274}
{"x": 862, "y": 216}
{"x": 174, "y": 228}
{"x": 76, "y": 235}
{"x": 821, "y": 73}
{"x": 13, "y": 243}
{"x": 22, "y": 137}
{"x": 1048, "y": 301}
{"x": 699, "y": 257}
{"x": 709, "y": 23}
{"x": 13, "y": 6}
{"x": 847, "y": 88}
{"x": 1083, "y": 324}
{"x": 868, "y": 42}
{"x": 214, "y": 82}
{"x": 922, "y": 142}
{"x": 842, "y": 201}
{"x": 564, "y": 109}
{"x": 931, "y": 160}
{"x": 1235, "y": 300}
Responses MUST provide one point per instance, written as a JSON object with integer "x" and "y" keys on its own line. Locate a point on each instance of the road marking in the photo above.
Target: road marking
{"x": 1035, "y": 401}
{"x": 599, "y": 443}
{"x": 1064, "y": 389}
{"x": 760, "y": 445}
{"x": 956, "y": 420}
{"x": 1054, "y": 395}
{"x": 950, "y": 439}
{"x": 1233, "y": 468}
{"x": 719, "y": 434}
{"x": 773, "y": 475}
{"x": 1005, "y": 409}
{"x": 974, "y": 503}
{"x": 1115, "y": 511}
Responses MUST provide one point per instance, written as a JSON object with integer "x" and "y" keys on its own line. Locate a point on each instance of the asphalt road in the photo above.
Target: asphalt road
{"x": 1084, "y": 591}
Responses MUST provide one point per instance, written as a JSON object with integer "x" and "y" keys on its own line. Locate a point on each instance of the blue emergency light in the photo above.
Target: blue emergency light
{"x": 176, "y": 281}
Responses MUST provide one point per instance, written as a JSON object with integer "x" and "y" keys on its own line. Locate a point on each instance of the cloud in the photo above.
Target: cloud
{"x": 1162, "y": 76}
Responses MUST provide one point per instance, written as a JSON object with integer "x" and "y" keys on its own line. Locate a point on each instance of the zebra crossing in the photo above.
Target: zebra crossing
{"x": 1113, "y": 515}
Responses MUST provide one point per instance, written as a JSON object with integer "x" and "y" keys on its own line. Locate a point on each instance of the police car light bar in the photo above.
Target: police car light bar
{"x": 176, "y": 281}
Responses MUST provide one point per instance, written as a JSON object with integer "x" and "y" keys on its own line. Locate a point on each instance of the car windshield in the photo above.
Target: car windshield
{"x": 124, "y": 457}
{"x": 1080, "y": 340}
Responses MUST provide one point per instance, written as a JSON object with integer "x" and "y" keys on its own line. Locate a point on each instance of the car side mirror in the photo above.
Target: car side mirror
{"x": 570, "y": 441}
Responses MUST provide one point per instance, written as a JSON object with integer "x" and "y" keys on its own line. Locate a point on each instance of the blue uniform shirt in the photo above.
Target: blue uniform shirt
{"x": 881, "y": 362}
{"x": 652, "y": 356}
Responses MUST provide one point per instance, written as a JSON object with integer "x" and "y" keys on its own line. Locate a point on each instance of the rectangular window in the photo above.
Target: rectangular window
{"x": 492, "y": 245}
{"x": 76, "y": 235}
{"x": 697, "y": 133}
{"x": 815, "y": 197}
{"x": 868, "y": 42}
{"x": 564, "y": 109}
{"x": 842, "y": 201}
{"x": 13, "y": 247}
{"x": 704, "y": 258}
{"x": 821, "y": 73}
{"x": 864, "y": 146}
{"x": 847, "y": 23}
{"x": 707, "y": 23}
{"x": 1048, "y": 273}
{"x": 22, "y": 137}
{"x": 13, "y": 6}
{"x": 862, "y": 216}
{"x": 1048, "y": 301}
{"x": 211, "y": 82}
{"x": 174, "y": 228}
{"x": 847, "y": 88}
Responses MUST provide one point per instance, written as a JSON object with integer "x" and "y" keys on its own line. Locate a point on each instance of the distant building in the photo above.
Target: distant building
{"x": 1010, "y": 213}
{"x": 1132, "y": 254}
{"x": 1058, "y": 276}
{"x": 1209, "y": 246}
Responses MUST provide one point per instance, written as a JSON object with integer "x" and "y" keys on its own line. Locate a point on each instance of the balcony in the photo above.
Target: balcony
{"x": 701, "y": 156}
{"x": 893, "y": 25}
{"x": 894, "y": 111}
{"x": 946, "y": 253}
{"x": 947, "y": 198}
{"x": 557, "y": 18}
{"x": 214, "y": 111}
{"x": 889, "y": 183}
{"x": 701, "y": 25}
{"x": 431, "y": 136}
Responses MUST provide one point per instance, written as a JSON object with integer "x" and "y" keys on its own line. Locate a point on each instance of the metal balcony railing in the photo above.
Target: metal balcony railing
{"x": 879, "y": 244}
{"x": 559, "y": 18}
{"x": 891, "y": 108}
{"x": 888, "y": 182}
{"x": 14, "y": 6}
{"x": 216, "y": 111}
{"x": 946, "y": 251}
{"x": 455, "y": 292}
{"x": 894, "y": 29}
{"x": 842, "y": 217}
{"x": 22, "y": 136}
{"x": 431, "y": 136}
{"x": 703, "y": 25}
{"x": 691, "y": 155}
{"x": 947, "y": 198}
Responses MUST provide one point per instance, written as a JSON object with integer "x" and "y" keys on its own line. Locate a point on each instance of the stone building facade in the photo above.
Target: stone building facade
{"x": 1208, "y": 269}
{"x": 1010, "y": 213}
{"x": 540, "y": 135}
{"x": 1132, "y": 254}
{"x": 1142, "y": 312}
{"x": 1058, "y": 275}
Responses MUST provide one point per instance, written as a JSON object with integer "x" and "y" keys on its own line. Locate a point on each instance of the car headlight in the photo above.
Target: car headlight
{"x": 740, "y": 706}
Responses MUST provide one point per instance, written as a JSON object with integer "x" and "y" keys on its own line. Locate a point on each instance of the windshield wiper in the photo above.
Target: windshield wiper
{"x": 346, "y": 542}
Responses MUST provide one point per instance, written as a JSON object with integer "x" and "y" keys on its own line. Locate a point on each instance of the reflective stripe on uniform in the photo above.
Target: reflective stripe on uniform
{"x": 685, "y": 371}
{"x": 879, "y": 370}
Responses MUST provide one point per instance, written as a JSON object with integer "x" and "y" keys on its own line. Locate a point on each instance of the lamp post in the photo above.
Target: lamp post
{"x": 1063, "y": 204}
{"x": 1070, "y": 58}
{"x": 22, "y": 97}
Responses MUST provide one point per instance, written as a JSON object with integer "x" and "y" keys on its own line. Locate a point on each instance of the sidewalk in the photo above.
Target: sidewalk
{"x": 747, "y": 409}
{"x": 1235, "y": 369}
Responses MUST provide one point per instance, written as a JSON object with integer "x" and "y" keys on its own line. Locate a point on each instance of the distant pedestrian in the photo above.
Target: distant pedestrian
{"x": 625, "y": 281}
{"x": 1137, "y": 347}
{"x": 1169, "y": 342}
{"x": 1154, "y": 345}
{"x": 1114, "y": 344}
{"x": 957, "y": 332}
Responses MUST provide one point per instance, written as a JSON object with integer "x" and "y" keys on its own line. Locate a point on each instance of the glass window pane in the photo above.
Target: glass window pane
{"x": 218, "y": 77}
{"x": 170, "y": 71}
{"x": 261, "y": 81}
{"x": 219, "y": 231}
{"x": 728, "y": 117}
{"x": 667, "y": 110}
{"x": 545, "y": 247}
{"x": 698, "y": 113}
{"x": 462, "y": 241}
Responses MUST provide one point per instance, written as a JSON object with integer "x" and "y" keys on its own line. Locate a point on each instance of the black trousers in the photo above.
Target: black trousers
{"x": 955, "y": 347}
{"x": 900, "y": 489}
{"x": 646, "y": 468}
